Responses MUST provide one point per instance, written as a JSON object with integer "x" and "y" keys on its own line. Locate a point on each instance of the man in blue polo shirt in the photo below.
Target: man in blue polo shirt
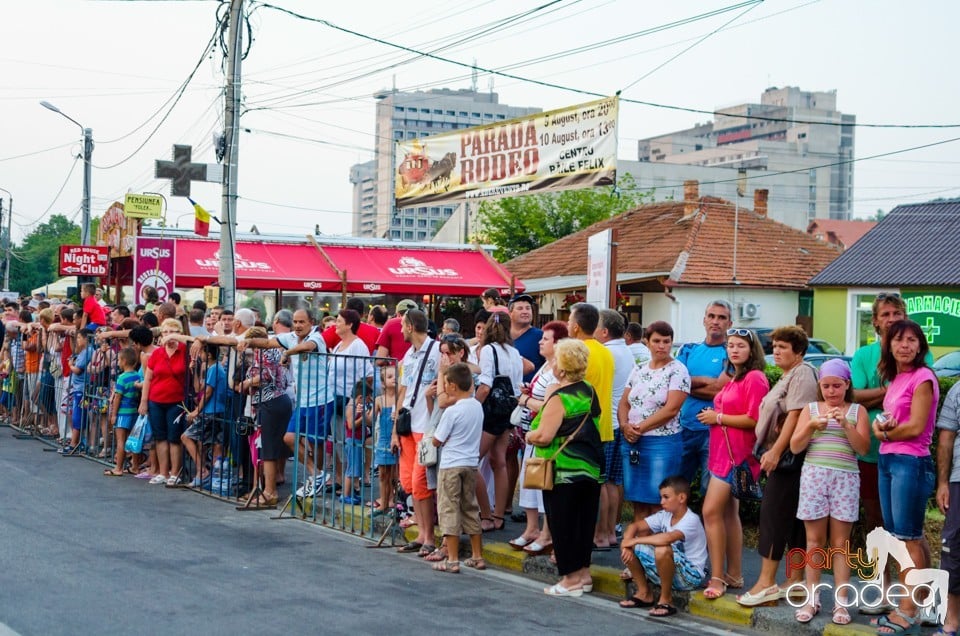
{"x": 526, "y": 337}
{"x": 704, "y": 362}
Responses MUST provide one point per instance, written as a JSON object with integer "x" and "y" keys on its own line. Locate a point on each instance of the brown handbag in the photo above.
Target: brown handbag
{"x": 538, "y": 471}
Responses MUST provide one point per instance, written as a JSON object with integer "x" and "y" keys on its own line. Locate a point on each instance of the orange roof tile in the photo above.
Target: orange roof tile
{"x": 846, "y": 232}
{"x": 696, "y": 249}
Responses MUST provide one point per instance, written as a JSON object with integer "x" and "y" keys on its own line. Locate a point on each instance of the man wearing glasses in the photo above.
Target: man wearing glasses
{"x": 704, "y": 362}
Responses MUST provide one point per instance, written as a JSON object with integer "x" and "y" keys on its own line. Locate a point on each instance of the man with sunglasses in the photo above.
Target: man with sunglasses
{"x": 705, "y": 362}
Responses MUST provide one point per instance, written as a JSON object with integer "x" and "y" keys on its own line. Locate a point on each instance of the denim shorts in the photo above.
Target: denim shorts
{"x": 905, "y": 483}
{"x": 686, "y": 576}
{"x": 659, "y": 457}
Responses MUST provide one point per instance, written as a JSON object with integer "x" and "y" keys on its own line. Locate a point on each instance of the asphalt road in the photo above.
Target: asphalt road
{"x": 85, "y": 554}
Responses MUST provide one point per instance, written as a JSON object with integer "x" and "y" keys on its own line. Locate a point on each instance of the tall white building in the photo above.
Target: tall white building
{"x": 817, "y": 150}
{"x": 405, "y": 116}
{"x": 363, "y": 176}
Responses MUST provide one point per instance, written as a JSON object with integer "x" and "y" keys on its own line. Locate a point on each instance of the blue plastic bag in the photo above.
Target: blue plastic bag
{"x": 134, "y": 442}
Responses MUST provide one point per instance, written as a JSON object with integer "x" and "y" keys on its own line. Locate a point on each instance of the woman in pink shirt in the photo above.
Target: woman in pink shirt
{"x": 905, "y": 469}
{"x": 736, "y": 409}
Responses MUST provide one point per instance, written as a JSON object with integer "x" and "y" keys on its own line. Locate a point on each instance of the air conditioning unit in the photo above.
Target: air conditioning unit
{"x": 749, "y": 311}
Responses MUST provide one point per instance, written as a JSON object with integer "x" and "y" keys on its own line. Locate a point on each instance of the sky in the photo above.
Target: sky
{"x": 308, "y": 109}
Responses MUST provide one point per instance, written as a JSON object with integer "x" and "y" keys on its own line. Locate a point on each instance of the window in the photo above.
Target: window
{"x": 434, "y": 211}
{"x": 462, "y": 113}
{"x": 447, "y": 211}
{"x": 425, "y": 110}
{"x": 450, "y": 113}
{"x": 437, "y": 111}
{"x": 488, "y": 116}
{"x": 398, "y": 109}
{"x": 501, "y": 117}
{"x": 411, "y": 134}
{"x": 398, "y": 134}
{"x": 477, "y": 115}
{"x": 408, "y": 222}
{"x": 421, "y": 223}
{"x": 407, "y": 235}
{"x": 395, "y": 222}
{"x": 395, "y": 234}
{"x": 421, "y": 236}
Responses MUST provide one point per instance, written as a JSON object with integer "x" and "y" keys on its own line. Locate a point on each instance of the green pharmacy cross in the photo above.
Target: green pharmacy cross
{"x": 930, "y": 329}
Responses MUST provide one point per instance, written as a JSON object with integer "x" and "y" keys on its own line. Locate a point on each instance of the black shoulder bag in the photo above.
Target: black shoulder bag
{"x": 404, "y": 425}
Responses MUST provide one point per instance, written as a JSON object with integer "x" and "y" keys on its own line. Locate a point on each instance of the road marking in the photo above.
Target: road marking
{"x": 6, "y": 631}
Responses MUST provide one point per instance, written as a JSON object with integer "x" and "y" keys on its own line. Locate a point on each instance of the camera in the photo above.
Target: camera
{"x": 634, "y": 457}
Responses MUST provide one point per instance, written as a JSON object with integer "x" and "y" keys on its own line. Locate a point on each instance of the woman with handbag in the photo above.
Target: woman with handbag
{"x": 535, "y": 540}
{"x": 734, "y": 470}
{"x": 779, "y": 411}
{"x": 567, "y": 431}
{"x": 500, "y": 363}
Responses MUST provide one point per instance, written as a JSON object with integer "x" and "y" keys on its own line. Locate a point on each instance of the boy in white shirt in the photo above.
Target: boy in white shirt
{"x": 459, "y": 433}
{"x": 667, "y": 546}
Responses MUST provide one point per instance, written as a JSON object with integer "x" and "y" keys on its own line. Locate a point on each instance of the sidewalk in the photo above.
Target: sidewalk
{"x": 606, "y": 579}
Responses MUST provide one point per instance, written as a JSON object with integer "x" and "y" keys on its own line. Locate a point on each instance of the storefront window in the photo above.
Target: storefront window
{"x": 864, "y": 307}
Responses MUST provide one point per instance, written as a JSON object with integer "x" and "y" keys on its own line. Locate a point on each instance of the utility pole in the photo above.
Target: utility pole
{"x": 87, "y": 157}
{"x": 6, "y": 239}
{"x": 227, "y": 274}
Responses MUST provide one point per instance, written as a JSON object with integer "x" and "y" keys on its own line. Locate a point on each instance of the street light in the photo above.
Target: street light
{"x": 87, "y": 153}
{"x": 6, "y": 239}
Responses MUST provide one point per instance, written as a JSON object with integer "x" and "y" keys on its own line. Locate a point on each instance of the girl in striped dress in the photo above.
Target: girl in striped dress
{"x": 833, "y": 430}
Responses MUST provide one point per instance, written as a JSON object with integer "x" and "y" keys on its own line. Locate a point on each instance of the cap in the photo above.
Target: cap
{"x": 406, "y": 304}
{"x": 524, "y": 297}
{"x": 835, "y": 368}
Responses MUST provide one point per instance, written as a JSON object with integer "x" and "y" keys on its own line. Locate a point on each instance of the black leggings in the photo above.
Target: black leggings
{"x": 571, "y": 511}
{"x": 779, "y": 526}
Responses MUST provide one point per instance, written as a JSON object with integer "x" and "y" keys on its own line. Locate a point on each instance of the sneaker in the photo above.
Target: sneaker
{"x": 353, "y": 500}
{"x": 308, "y": 489}
{"x": 68, "y": 450}
{"x": 158, "y": 479}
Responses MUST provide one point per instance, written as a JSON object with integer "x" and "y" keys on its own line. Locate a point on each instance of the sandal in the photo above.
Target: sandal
{"x": 635, "y": 603}
{"x": 662, "y": 610}
{"x": 426, "y": 550}
{"x": 841, "y": 616}
{"x": 889, "y": 627}
{"x": 804, "y": 615}
{"x": 767, "y": 595}
{"x": 712, "y": 593}
{"x": 476, "y": 564}
{"x": 453, "y": 567}
{"x": 537, "y": 548}
{"x": 436, "y": 556}
{"x": 520, "y": 542}
{"x": 733, "y": 583}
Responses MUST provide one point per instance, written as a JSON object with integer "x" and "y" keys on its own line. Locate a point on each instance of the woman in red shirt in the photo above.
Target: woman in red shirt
{"x": 162, "y": 399}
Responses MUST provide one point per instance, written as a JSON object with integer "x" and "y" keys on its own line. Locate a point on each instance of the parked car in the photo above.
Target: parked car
{"x": 815, "y": 359}
{"x": 948, "y": 365}
{"x": 817, "y": 345}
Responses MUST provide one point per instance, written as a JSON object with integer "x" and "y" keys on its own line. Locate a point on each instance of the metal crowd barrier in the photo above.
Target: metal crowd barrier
{"x": 333, "y": 434}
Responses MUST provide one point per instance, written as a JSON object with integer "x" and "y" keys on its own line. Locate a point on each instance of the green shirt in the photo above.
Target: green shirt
{"x": 582, "y": 458}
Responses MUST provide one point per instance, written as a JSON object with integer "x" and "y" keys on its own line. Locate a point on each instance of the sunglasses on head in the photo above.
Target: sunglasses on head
{"x": 885, "y": 295}
{"x": 743, "y": 333}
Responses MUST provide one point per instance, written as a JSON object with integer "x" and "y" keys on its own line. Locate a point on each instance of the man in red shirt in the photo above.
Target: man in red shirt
{"x": 391, "y": 344}
{"x": 92, "y": 311}
{"x": 367, "y": 332}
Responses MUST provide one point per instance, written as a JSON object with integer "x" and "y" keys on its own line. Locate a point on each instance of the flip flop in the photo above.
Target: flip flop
{"x": 413, "y": 546}
{"x": 601, "y": 548}
{"x": 536, "y": 548}
{"x": 519, "y": 543}
{"x": 635, "y": 603}
{"x": 112, "y": 473}
{"x": 662, "y": 610}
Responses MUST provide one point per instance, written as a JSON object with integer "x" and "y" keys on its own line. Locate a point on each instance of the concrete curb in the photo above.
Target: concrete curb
{"x": 607, "y": 582}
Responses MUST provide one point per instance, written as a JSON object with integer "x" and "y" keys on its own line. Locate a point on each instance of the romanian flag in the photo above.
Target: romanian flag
{"x": 201, "y": 222}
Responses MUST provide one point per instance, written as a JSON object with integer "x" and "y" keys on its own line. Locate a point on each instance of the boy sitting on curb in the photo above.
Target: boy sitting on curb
{"x": 459, "y": 433}
{"x": 667, "y": 546}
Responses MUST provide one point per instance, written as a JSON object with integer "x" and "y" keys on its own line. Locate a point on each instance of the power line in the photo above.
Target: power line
{"x": 38, "y": 152}
{"x": 440, "y": 58}
{"x": 176, "y": 99}
{"x": 24, "y": 226}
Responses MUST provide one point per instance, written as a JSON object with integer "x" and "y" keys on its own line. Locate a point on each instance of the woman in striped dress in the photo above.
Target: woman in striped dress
{"x": 833, "y": 431}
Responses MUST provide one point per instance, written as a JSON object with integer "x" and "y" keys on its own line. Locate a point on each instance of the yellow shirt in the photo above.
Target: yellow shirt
{"x": 600, "y": 376}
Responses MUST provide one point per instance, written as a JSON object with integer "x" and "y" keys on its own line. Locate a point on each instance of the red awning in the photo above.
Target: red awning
{"x": 257, "y": 265}
{"x": 398, "y": 270}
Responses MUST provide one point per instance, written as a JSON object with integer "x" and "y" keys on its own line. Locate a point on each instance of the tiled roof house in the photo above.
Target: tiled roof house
{"x": 913, "y": 251}
{"x": 674, "y": 257}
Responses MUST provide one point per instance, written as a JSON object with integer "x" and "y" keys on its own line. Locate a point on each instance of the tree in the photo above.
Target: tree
{"x": 519, "y": 224}
{"x": 34, "y": 262}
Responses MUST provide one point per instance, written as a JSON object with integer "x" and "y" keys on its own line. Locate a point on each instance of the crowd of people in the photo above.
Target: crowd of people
{"x": 452, "y": 422}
